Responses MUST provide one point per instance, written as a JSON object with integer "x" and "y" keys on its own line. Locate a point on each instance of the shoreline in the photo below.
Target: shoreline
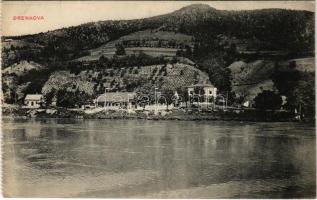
{"x": 172, "y": 115}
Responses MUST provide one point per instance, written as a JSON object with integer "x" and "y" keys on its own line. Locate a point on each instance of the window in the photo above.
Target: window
{"x": 32, "y": 103}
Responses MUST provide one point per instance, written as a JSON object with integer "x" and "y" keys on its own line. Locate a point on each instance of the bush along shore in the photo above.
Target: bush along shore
{"x": 180, "y": 114}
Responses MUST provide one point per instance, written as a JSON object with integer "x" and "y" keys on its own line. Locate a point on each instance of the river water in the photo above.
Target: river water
{"x": 157, "y": 159}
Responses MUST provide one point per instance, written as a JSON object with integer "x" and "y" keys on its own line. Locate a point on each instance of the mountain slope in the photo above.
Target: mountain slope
{"x": 273, "y": 28}
{"x": 249, "y": 79}
{"x": 213, "y": 39}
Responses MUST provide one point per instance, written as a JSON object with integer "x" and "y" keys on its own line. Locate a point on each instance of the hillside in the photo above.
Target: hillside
{"x": 22, "y": 78}
{"x": 6, "y": 44}
{"x": 22, "y": 68}
{"x": 151, "y": 42}
{"x": 267, "y": 29}
{"x": 237, "y": 51}
{"x": 152, "y": 38}
{"x": 172, "y": 76}
{"x": 249, "y": 79}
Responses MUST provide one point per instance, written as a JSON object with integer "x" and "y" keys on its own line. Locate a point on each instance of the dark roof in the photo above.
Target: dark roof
{"x": 116, "y": 97}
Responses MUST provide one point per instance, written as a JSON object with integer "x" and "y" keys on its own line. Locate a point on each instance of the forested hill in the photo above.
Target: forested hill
{"x": 241, "y": 52}
{"x": 267, "y": 29}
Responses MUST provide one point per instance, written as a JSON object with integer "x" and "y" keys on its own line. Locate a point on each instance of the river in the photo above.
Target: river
{"x": 157, "y": 159}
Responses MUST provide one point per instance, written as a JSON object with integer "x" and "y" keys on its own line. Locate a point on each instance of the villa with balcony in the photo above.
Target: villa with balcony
{"x": 203, "y": 94}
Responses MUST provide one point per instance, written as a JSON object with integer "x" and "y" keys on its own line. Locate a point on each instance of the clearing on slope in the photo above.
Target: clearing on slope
{"x": 151, "y": 42}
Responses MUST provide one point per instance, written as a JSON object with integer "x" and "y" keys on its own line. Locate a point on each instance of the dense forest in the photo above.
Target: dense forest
{"x": 268, "y": 29}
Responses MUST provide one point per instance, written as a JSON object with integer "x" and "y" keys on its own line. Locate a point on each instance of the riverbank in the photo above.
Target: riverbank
{"x": 180, "y": 114}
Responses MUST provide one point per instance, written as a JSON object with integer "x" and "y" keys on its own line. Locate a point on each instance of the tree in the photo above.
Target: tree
{"x": 65, "y": 98}
{"x": 268, "y": 100}
{"x": 173, "y": 61}
{"x": 48, "y": 97}
{"x": 180, "y": 52}
{"x": 183, "y": 93}
{"x": 196, "y": 51}
{"x": 219, "y": 73}
{"x": 303, "y": 96}
{"x": 285, "y": 81}
{"x": 298, "y": 87}
{"x": 120, "y": 50}
{"x": 146, "y": 94}
{"x": 103, "y": 60}
{"x": 168, "y": 95}
{"x": 71, "y": 99}
{"x": 188, "y": 52}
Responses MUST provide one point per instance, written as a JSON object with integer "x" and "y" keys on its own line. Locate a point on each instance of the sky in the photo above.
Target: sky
{"x": 59, "y": 14}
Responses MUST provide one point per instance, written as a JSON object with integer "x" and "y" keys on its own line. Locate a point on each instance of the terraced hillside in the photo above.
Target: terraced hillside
{"x": 172, "y": 76}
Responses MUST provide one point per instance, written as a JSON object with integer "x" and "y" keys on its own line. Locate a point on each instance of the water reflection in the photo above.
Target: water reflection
{"x": 117, "y": 158}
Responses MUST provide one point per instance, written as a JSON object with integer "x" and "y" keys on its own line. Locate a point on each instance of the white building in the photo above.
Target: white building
{"x": 115, "y": 100}
{"x": 206, "y": 91}
{"x": 34, "y": 100}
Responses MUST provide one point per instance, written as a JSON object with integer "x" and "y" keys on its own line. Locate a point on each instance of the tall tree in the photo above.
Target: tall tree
{"x": 120, "y": 50}
{"x": 183, "y": 94}
{"x": 303, "y": 96}
{"x": 168, "y": 95}
{"x": 267, "y": 100}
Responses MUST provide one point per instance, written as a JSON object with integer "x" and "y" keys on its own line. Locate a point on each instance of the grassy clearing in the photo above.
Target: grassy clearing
{"x": 22, "y": 68}
{"x": 108, "y": 49}
{"x": 152, "y": 35}
{"x": 18, "y": 43}
{"x": 305, "y": 64}
{"x": 110, "y": 52}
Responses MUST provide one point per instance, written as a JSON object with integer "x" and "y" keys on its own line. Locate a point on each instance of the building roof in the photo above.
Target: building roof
{"x": 116, "y": 97}
{"x": 201, "y": 85}
{"x": 34, "y": 97}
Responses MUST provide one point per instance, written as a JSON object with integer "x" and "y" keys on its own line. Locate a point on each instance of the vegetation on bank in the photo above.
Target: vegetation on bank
{"x": 182, "y": 114}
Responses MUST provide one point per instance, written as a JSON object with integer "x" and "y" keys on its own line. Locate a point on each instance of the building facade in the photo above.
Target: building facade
{"x": 115, "y": 100}
{"x": 34, "y": 100}
{"x": 203, "y": 92}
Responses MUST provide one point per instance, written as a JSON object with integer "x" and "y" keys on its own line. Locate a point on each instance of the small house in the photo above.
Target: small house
{"x": 33, "y": 100}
